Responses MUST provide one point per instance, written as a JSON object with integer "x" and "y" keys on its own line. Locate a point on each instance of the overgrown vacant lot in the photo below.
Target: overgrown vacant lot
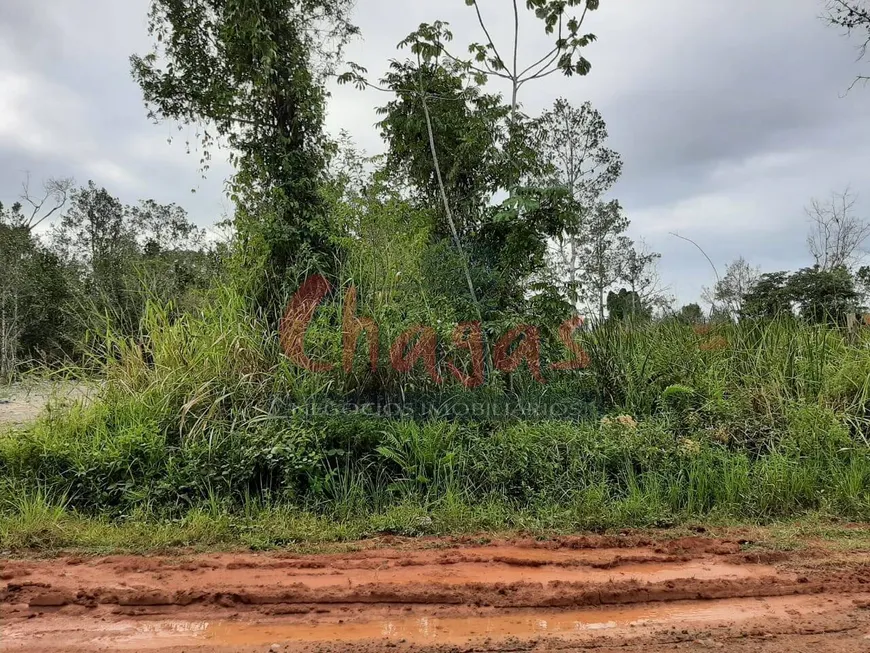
{"x": 217, "y": 439}
{"x": 444, "y": 396}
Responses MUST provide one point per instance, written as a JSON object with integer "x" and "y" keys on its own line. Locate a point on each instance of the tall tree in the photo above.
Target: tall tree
{"x": 448, "y": 140}
{"x": 559, "y": 23}
{"x": 95, "y": 231}
{"x": 562, "y": 21}
{"x": 729, "y": 292}
{"x": 573, "y": 142}
{"x": 94, "y": 235}
{"x": 251, "y": 72}
{"x": 640, "y": 273}
{"x": 468, "y": 132}
{"x": 603, "y": 254}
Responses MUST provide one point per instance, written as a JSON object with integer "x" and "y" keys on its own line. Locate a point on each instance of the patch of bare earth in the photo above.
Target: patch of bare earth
{"x": 21, "y": 404}
{"x": 595, "y": 593}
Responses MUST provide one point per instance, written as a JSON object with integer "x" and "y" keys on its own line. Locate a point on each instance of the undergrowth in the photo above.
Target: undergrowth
{"x": 210, "y": 435}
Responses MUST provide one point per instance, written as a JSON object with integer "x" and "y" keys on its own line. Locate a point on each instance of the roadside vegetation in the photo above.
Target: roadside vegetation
{"x": 201, "y": 430}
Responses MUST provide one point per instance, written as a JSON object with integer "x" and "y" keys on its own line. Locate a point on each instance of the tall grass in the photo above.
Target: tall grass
{"x": 201, "y": 414}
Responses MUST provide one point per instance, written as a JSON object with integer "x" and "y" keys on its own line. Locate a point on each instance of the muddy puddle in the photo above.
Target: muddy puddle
{"x": 420, "y": 629}
{"x": 522, "y": 625}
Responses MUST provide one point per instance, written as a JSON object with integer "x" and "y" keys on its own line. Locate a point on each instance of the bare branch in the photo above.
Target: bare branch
{"x": 486, "y": 31}
{"x": 516, "y": 36}
{"x": 709, "y": 260}
{"x": 551, "y": 53}
{"x": 55, "y": 193}
{"x": 851, "y": 16}
{"x": 837, "y": 234}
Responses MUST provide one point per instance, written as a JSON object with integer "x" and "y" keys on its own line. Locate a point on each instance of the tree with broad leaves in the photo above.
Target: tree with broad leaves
{"x": 251, "y": 73}
{"x": 431, "y": 40}
{"x": 468, "y": 130}
{"x": 560, "y": 22}
{"x": 451, "y": 142}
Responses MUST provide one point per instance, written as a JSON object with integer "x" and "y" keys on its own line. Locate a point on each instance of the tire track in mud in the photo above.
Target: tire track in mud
{"x": 521, "y": 595}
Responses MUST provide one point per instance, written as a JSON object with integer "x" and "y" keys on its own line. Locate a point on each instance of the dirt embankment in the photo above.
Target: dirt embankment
{"x": 437, "y": 595}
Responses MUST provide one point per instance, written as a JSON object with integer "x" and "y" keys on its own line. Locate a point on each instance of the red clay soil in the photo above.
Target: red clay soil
{"x": 606, "y": 594}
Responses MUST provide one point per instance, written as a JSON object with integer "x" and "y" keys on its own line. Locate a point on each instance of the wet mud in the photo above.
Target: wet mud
{"x": 446, "y": 595}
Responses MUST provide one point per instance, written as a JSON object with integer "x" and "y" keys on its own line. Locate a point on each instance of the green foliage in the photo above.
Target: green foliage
{"x": 34, "y": 291}
{"x": 479, "y": 153}
{"x": 820, "y": 295}
{"x": 691, "y": 314}
{"x": 750, "y": 420}
{"x": 469, "y": 132}
{"x": 729, "y": 293}
{"x": 769, "y": 297}
{"x": 252, "y": 70}
{"x": 430, "y": 40}
{"x": 627, "y": 305}
{"x": 824, "y": 295}
{"x": 116, "y": 255}
{"x": 198, "y": 416}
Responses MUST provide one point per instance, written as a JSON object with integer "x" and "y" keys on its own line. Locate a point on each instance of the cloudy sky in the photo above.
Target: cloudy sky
{"x": 730, "y": 116}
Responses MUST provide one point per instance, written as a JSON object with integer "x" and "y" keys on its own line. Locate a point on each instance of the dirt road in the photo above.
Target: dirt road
{"x": 20, "y": 404}
{"x": 581, "y": 593}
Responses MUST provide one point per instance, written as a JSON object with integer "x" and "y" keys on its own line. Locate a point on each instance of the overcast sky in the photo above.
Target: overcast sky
{"x": 730, "y": 116}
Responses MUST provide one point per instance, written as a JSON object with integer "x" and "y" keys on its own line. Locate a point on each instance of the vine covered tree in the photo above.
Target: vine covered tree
{"x": 468, "y": 132}
{"x": 250, "y": 73}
